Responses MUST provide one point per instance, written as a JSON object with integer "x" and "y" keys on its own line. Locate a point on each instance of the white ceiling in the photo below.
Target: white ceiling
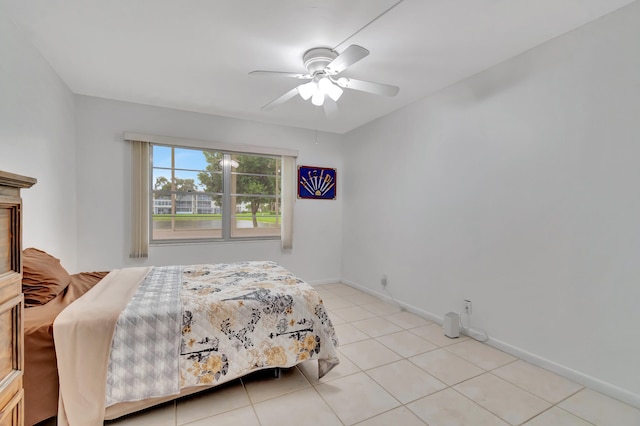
{"x": 195, "y": 55}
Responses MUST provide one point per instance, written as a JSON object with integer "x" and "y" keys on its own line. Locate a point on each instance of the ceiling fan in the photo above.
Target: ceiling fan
{"x": 325, "y": 87}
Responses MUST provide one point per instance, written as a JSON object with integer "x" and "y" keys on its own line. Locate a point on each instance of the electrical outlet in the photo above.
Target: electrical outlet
{"x": 467, "y": 307}
{"x": 383, "y": 281}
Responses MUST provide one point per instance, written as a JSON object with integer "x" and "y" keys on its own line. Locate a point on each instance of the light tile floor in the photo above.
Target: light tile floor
{"x": 396, "y": 368}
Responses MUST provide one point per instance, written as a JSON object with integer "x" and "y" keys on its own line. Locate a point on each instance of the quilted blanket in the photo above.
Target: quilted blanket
{"x": 246, "y": 316}
{"x": 235, "y": 318}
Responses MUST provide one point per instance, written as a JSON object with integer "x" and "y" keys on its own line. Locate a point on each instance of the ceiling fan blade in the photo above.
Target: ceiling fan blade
{"x": 282, "y": 99}
{"x": 350, "y": 56}
{"x": 281, "y": 74}
{"x": 330, "y": 107}
{"x": 367, "y": 86}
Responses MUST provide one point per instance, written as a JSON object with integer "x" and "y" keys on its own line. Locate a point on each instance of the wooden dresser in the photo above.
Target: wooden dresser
{"x": 11, "y": 299}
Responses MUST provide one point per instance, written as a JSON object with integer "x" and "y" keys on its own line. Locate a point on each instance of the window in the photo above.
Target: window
{"x": 202, "y": 194}
{"x": 208, "y": 191}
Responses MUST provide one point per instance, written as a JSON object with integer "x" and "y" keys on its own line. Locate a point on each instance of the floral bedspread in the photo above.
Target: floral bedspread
{"x": 246, "y": 316}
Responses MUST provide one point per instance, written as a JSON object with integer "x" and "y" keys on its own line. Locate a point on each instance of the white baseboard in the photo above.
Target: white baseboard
{"x": 387, "y": 298}
{"x": 323, "y": 282}
{"x": 569, "y": 373}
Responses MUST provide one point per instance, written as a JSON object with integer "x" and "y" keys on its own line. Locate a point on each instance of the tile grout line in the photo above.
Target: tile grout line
{"x": 327, "y": 402}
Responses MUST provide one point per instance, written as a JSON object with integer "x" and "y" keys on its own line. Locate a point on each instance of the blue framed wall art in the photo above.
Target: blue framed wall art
{"x": 316, "y": 182}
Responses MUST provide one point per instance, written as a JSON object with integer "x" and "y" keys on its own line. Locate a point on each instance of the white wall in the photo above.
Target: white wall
{"x": 518, "y": 189}
{"x": 104, "y": 193}
{"x": 37, "y": 138}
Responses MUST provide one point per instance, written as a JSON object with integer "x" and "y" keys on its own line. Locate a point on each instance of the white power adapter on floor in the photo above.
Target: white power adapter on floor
{"x": 451, "y": 325}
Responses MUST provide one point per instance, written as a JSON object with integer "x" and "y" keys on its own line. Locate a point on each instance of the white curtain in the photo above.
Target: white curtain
{"x": 139, "y": 199}
{"x": 288, "y": 198}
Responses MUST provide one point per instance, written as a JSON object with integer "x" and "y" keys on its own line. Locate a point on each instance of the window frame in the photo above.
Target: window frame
{"x": 225, "y": 197}
{"x": 141, "y": 167}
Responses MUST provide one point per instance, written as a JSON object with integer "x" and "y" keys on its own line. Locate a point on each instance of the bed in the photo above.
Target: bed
{"x": 148, "y": 335}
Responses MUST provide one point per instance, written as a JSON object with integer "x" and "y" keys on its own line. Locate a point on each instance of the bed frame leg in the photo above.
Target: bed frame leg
{"x": 276, "y": 372}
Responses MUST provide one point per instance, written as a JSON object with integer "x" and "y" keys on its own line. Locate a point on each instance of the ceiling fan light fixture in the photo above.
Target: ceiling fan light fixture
{"x": 307, "y": 90}
{"x": 324, "y": 84}
{"x": 318, "y": 98}
{"x": 335, "y": 92}
{"x": 330, "y": 89}
{"x": 232, "y": 163}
